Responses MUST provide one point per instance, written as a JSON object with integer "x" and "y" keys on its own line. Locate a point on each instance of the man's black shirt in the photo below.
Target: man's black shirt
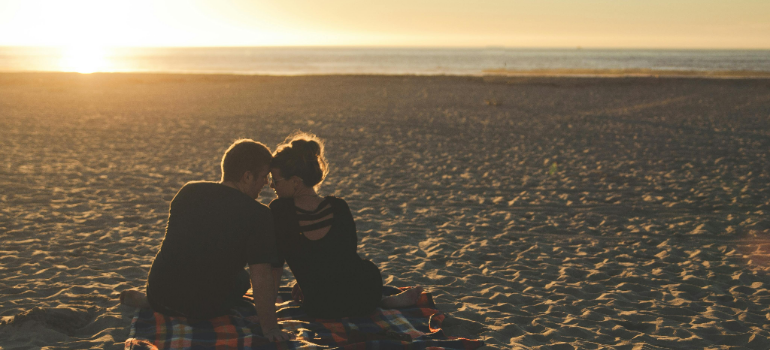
{"x": 213, "y": 232}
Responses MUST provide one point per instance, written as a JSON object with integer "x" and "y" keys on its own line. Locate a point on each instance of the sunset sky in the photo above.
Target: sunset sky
{"x": 432, "y": 23}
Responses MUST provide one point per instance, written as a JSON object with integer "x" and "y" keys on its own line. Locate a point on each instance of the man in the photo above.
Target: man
{"x": 214, "y": 230}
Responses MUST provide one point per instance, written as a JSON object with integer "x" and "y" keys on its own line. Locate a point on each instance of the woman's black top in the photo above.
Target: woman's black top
{"x": 335, "y": 281}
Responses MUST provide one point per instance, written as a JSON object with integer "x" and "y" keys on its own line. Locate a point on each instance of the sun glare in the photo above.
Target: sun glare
{"x": 83, "y": 59}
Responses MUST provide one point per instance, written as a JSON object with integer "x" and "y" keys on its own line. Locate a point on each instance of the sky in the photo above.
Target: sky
{"x": 723, "y": 24}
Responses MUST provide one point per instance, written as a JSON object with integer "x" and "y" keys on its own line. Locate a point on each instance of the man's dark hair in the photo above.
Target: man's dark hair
{"x": 242, "y": 156}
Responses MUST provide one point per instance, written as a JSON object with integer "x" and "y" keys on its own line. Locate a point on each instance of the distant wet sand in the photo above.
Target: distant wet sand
{"x": 542, "y": 213}
{"x": 615, "y": 73}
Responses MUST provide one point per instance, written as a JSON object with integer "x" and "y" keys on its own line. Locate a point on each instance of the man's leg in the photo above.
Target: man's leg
{"x": 134, "y": 298}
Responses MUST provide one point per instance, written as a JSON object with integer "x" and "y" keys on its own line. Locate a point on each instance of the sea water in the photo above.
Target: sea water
{"x": 341, "y": 60}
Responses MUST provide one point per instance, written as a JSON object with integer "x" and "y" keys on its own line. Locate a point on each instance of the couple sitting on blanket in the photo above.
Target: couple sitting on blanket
{"x": 216, "y": 228}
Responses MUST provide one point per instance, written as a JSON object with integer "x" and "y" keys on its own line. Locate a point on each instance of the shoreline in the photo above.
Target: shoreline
{"x": 629, "y": 73}
{"x": 490, "y": 73}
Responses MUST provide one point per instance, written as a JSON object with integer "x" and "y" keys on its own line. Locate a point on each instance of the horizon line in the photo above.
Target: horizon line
{"x": 489, "y": 47}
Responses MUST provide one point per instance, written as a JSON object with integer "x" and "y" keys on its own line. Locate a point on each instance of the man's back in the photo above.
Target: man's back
{"x": 213, "y": 232}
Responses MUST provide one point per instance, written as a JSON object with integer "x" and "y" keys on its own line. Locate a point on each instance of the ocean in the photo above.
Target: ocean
{"x": 341, "y": 60}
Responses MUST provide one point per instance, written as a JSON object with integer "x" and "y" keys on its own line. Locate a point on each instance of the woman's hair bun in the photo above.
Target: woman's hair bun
{"x": 306, "y": 147}
{"x": 302, "y": 155}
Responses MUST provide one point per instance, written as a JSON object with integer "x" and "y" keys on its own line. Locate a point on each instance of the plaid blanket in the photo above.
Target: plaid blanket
{"x": 416, "y": 327}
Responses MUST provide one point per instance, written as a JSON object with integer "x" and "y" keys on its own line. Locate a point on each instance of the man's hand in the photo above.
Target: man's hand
{"x": 276, "y": 334}
{"x": 296, "y": 293}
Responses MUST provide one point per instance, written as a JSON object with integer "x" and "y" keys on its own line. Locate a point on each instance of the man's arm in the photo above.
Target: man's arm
{"x": 277, "y": 274}
{"x": 264, "y": 301}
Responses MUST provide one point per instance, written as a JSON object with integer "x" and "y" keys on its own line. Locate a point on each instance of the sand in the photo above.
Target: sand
{"x": 542, "y": 213}
{"x": 629, "y": 72}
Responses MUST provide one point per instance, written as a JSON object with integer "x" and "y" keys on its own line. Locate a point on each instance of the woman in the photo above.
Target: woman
{"x": 317, "y": 238}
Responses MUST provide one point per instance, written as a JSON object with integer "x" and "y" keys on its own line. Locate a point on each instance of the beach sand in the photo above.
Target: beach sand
{"x": 542, "y": 213}
{"x": 629, "y": 72}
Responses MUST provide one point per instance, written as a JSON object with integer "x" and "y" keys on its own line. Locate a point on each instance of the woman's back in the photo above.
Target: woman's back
{"x": 319, "y": 246}
{"x": 321, "y": 237}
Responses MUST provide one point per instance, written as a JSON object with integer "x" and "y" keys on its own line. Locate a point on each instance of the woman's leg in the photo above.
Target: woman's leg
{"x": 406, "y": 298}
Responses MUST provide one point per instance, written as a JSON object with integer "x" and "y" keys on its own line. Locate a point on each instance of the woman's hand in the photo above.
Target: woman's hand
{"x": 296, "y": 293}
